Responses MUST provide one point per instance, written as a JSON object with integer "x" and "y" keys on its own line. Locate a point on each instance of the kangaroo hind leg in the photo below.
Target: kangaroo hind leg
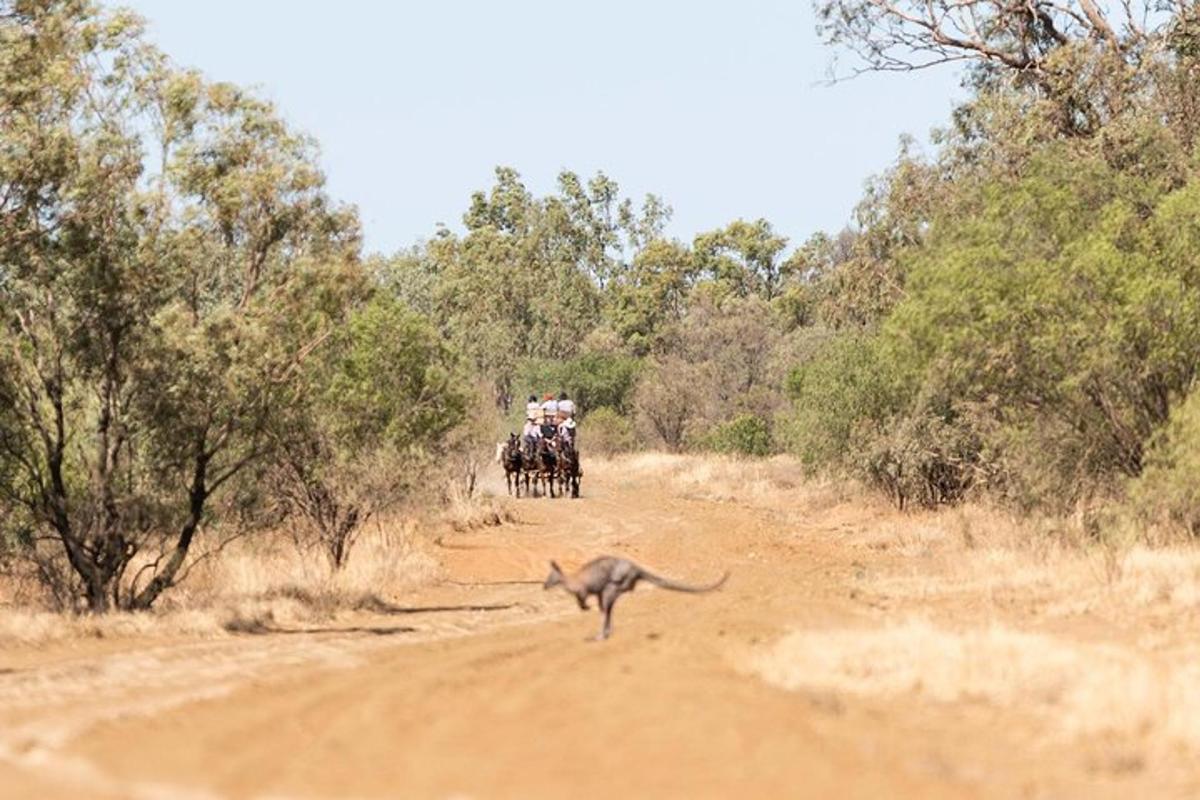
{"x": 608, "y": 599}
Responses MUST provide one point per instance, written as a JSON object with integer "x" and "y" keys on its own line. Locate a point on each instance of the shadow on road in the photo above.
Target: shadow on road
{"x": 371, "y": 630}
{"x": 381, "y": 607}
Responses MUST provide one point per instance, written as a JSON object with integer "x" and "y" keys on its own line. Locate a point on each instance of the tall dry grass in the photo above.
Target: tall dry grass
{"x": 779, "y": 482}
{"x": 268, "y": 581}
{"x": 1077, "y": 689}
{"x": 1059, "y": 567}
{"x": 254, "y": 584}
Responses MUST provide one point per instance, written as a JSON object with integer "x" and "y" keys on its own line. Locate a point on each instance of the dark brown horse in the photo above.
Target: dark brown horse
{"x": 569, "y": 471}
{"x": 528, "y": 463}
{"x": 545, "y": 465}
{"x": 514, "y": 464}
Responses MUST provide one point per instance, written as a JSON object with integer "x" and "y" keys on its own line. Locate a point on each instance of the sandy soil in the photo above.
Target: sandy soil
{"x": 478, "y": 689}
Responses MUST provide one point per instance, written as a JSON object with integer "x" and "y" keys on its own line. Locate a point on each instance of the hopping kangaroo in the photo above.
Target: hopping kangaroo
{"x": 608, "y": 578}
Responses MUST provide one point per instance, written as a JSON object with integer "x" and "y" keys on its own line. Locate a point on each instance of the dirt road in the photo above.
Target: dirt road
{"x": 489, "y": 690}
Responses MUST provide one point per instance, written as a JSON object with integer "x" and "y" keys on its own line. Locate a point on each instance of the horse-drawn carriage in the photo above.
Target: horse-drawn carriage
{"x": 542, "y": 464}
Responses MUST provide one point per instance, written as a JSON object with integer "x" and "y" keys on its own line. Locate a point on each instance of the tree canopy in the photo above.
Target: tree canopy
{"x": 168, "y": 258}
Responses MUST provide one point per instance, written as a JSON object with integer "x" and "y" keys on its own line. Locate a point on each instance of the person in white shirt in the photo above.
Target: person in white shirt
{"x": 566, "y": 407}
{"x": 531, "y": 432}
{"x": 533, "y": 409}
{"x": 566, "y": 430}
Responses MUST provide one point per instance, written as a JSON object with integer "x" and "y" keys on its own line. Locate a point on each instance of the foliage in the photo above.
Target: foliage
{"x": 651, "y": 295}
{"x": 528, "y": 279}
{"x": 668, "y": 399}
{"x": 855, "y": 279}
{"x": 840, "y": 398}
{"x": 375, "y": 406}
{"x": 1048, "y": 323}
{"x": 1167, "y": 491}
{"x": 922, "y": 458}
{"x": 743, "y": 258}
{"x": 608, "y": 432}
{"x": 1029, "y": 297}
{"x": 745, "y": 435}
{"x": 733, "y": 342}
{"x": 592, "y": 380}
{"x": 168, "y": 258}
{"x": 1088, "y": 312}
{"x": 718, "y": 362}
{"x": 1081, "y": 57}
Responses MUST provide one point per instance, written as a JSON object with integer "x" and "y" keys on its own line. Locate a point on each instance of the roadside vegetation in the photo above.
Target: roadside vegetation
{"x": 194, "y": 350}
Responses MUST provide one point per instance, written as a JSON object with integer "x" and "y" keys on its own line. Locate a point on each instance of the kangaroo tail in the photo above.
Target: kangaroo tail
{"x": 667, "y": 583}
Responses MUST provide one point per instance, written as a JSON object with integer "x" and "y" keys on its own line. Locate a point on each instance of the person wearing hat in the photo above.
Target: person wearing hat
{"x": 533, "y": 410}
{"x": 566, "y": 407}
{"x": 549, "y": 415}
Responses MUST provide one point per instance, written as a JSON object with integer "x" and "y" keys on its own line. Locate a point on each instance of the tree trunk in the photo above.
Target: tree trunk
{"x": 341, "y": 538}
{"x": 166, "y": 576}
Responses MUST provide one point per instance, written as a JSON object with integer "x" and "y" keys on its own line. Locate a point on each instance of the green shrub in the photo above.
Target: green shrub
{"x": 607, "y": 432}
{"x": 839, "y": 398}
{"x": 592, "y": 380}
{"x": 745, "y": 435}
{"x": 1063, "y": 308}
{"x": 1168, "y": 491}
{"x": 860, "y": 408}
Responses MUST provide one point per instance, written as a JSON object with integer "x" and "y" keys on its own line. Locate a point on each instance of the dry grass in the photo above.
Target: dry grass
{"x": 773, "y": 483}
{"x": 1080, "y": 689}
{"x": 1089, "y": 631}
{"x": 270, "y": 580}
{"x": 29, "y": 627}
{"x": 253, "y": 585}
{"x": 465, "y": 512}
{"x": 1060, "y": 566}
{"x": 1055, "y": 566}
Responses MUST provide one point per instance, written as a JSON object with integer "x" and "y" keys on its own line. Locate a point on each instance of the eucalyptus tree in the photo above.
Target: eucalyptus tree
{"x": 1081, "y": 62}
{"x": 370, "y": 420}
{"x": 744, "y": 257}
{"x": 168, "y": 258}
{"x": 532, "y": 276}
{"x": 650, "y": 298}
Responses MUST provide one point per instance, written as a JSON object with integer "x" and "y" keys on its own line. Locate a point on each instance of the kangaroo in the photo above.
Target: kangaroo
{"x": 608, "y": 578}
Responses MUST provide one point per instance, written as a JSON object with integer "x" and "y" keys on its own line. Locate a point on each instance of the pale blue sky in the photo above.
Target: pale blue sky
{"x": 714, "y": 106}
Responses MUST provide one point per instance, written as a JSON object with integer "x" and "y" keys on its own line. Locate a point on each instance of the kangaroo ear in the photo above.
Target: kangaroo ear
{"x": 554, "y": 566}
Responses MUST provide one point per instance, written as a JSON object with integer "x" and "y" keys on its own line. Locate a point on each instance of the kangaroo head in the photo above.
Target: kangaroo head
{"x": 555, "y": 578}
